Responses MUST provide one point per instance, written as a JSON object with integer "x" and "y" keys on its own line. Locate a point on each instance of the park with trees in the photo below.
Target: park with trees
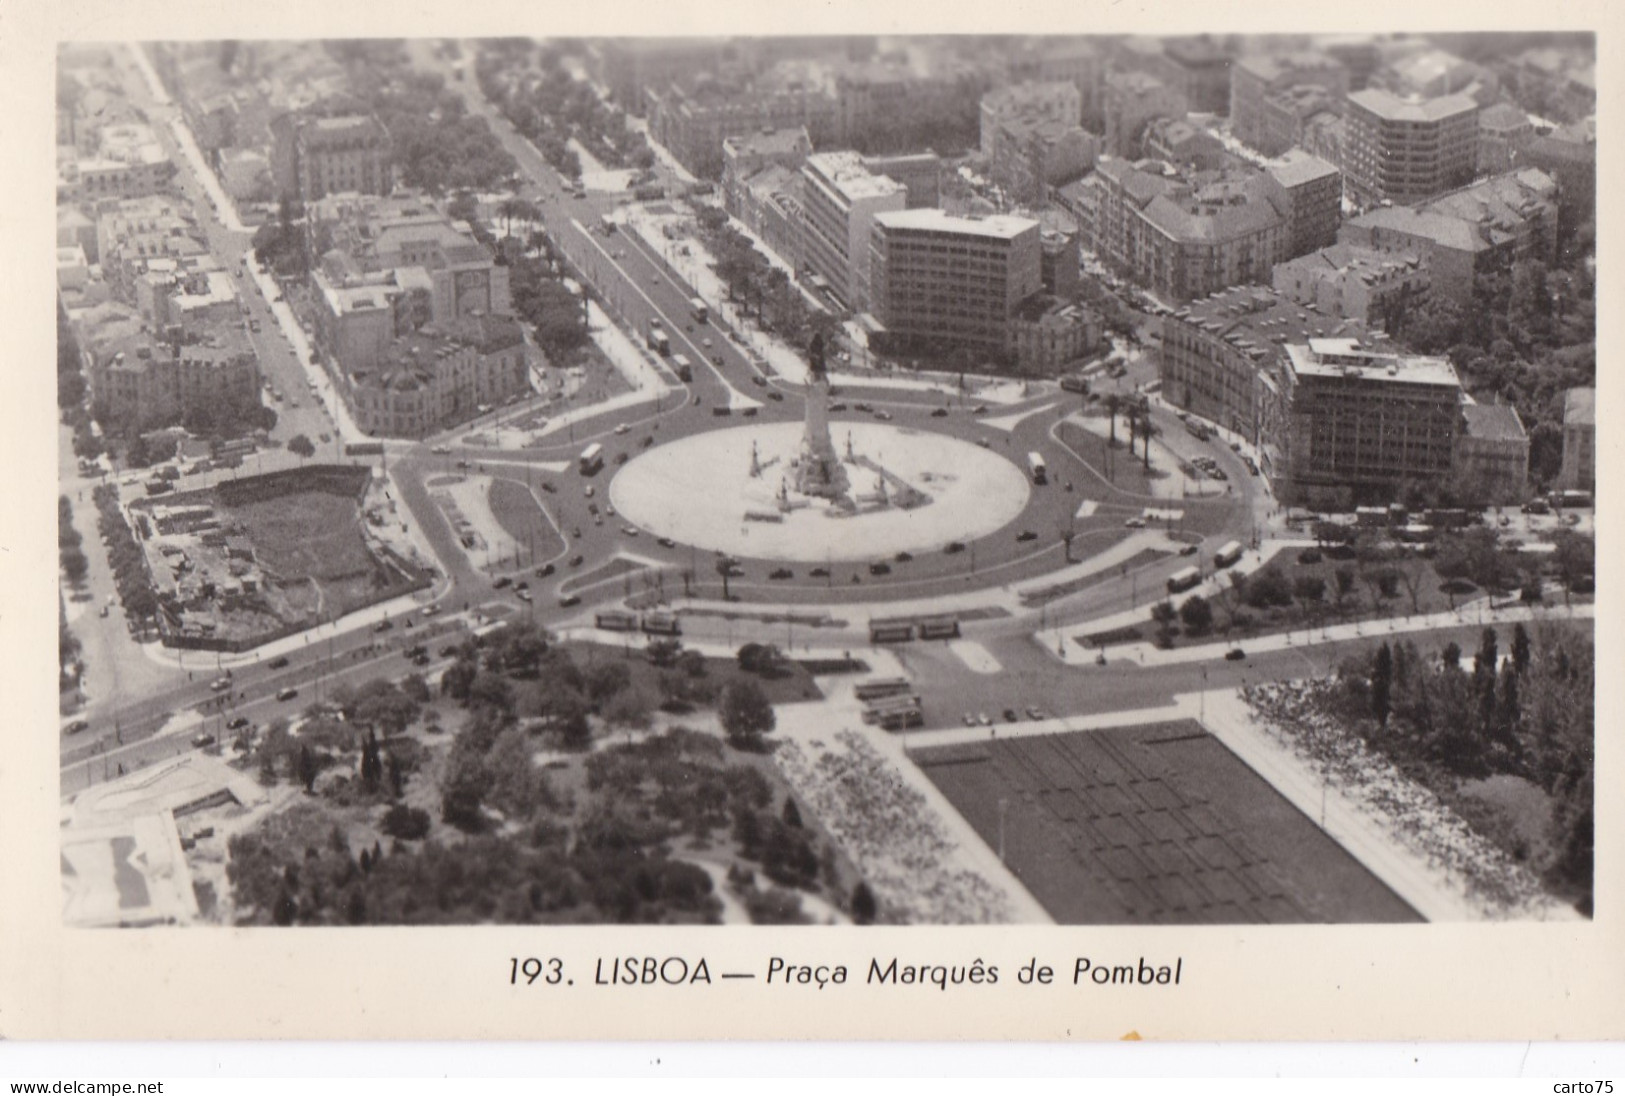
{"x": 541, "y": 782}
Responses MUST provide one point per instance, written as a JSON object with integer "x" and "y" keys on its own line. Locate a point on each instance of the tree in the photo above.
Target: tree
{"x": 372, "y": 763}
{"x": 74, "y": 565}
{"x": 725, "y": 567}
{"x": 864, "y": 907}
{"x": 605, "y": 679}
{"x": 628, "y": 708}
{"x": 1309, "y": 590}
{"x": 1196, "y": 614}
{"x": 301, "y": 446}
{"x": 1342, "y": 586}
{"x": 1382, "y": 681}
{"x": 662, "y": 650}
{"x": 307, "y": 769}
{"x": 1520, "y": 649}
{"x": 792, "y": 813}
{"x": 1113, "y": 405}
{"x": 746, "y": 715}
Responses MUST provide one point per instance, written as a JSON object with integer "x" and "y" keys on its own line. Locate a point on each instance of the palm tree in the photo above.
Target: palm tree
{"x": 1112, "y": 404}
{"x": 725, "y": 568}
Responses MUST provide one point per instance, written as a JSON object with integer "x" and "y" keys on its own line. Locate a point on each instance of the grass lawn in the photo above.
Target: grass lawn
{"x": 519, "y": 514}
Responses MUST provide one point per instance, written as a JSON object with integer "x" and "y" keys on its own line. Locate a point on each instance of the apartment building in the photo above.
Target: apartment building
{"x": 315, "y": 153}
{"x": 840, "y": 198}
{"x": 693, "y": 121}
{"x": 1355, "y": 422}
{"x": 919, "y": 172}
{"x": 1131, "y": 100}
{"x": 141, "y": 382}
{"x": 1466, "y": 232}
{"x": 439, "y": 375}
{"x": 1077, "y": 60}
{"x": 1356, "y": 283}
{"x": 1030, "y": 155}
{"x": 1272, "y": 94}
{"x": 1492, "y": 454}
{"x": 1408, "y": 149}
{"x": 1177, "y": 142}
{"x": 944, "y": 282}
{"x": 1057, "y": 101}
{"x": 1215, "y": 351}
{"x": 745, "y": 155}
{"x": 1503, "y": 131}
{"x": 1049, "y": 334}
{"x": 1314, "y": 194}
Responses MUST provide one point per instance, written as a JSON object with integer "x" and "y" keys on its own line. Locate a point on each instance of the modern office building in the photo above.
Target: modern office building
{"x": 1353, "y": 423}
{"x": 943, "y": 282}
{"x": 840, "y": 198}
{"x": 1408, "y": 149}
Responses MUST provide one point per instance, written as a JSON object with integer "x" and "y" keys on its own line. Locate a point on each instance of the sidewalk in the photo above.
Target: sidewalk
{"x": 1148, "y": 654}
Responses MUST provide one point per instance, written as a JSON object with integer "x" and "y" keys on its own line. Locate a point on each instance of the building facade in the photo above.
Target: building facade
{"x": 1057, "y": 101}
{"x": 1269, "y": 96}
{"x": 1374, "y": 287}
{"x": 1313, "y": 190}
{"x": 1579, "y": 470}
{"x": 944, "y": 282}
{"x": 318, "y": 154}
{"x": 1355, "y": 423}
{"x": 1131, "y": 100}
{"x": 840, "y": 199}
{"x": 1492, "y": 454}
{"x": 1408, "y": 149}
{"x": 438, "y": 375}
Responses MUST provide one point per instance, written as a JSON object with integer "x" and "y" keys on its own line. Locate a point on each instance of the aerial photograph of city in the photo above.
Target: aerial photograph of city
{"x": 827, "y": 480}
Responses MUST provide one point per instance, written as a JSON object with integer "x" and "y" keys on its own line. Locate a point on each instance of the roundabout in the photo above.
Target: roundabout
{"x": 762, "y": 492}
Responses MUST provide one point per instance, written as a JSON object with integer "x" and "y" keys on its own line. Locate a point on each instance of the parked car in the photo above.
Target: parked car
{"x": 203, "y": 740}
{"x": 940, "y": 413}
{"x": 983, "y": 719}
{"x": 1134, "y": 523}
{"x": 1235, "y": 654}
{"x": 666, "y": 542}
{"x": 954, "y": 547}
{"x": 903, "y": 557}
{"x": 238, "y": 724}
{"x": 577, "y": 560}
{"x": 1035, "y": 713}
{"x": 819, "y": 572}
{"x": 879, "y": 568}
{"x": 1026, "y": 535}
{"x": 569, "y": 601}
{"x": 502, "y": 583}
{"x": 544, "y": 570}
{"x": 78, "y": 726}
{"x": 782, "y": 573}
{"x": 287, "y": 694}
{"x": 278, "y": 662}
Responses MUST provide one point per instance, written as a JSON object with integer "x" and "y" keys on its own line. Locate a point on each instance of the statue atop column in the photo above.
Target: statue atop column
{"x": 821, "y": 474}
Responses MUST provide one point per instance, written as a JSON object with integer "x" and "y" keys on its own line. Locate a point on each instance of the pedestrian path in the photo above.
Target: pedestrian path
{"x": 977, "y": 658}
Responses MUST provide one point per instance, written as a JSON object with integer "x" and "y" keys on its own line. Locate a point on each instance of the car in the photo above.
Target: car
{"x": 577, "y": 560}
{"x": 623, "y": 428}
{"x": 984, "y": 443}
{"x": 203, "y": 740}
{"x": 776, "y": 396}
{"x": 863, "y": 407}
{"x": 1235, "y": 447}
{"x": 521, "y": 585}
{"x": 1035, "y": 713}
{"x": 630, "y": 530}
{"x": 970, "y": 719}
{"x": 666, "y": 542}
{"x": 440, "y": 450}
{"x": 838, "y": 405}
{"x": 688, "y": 327}
{"x": 750, "y": 412}
{"x": 883, "y": 416}
{"x": 716, "y": 360}
{"x": 544, "y": 570}
{"x": 954, "y": 547}
{"x": 1252, "y": 465}
{"x": 819, "y": 572}
{"x": 782, "y": 573}
{"x": 103, "y": 611}
{"x": 621, "y": 458}
{"x": 279, "y": 662}
{"x": 220, "y": 684}
{"x": 705, "y": 341}
{"x": 879, "y": 568}
{"x": 1217, "y": 473}
{"x": 522, "y": 595}
{"x": 903, "y": 557}
{"x": 940, "y": 413}
{"x": 502, "y": 582}
{"x": 1537, "y": 506}
{"x": 287, "y": 694}
{"x": 979, "y": 409}
{"x": 1025, "y": 535}
{"x": 758, "y": 380}
{"x": 1571, "y": 519}
{"x": 569, "y": 601}
{"x": 1234, "y": 654}
{"x": 78, "y": 726}
{"x": 1134, "y": 523}
{"x": 982, "y": 718}
{"x": 1188, "y": 550}
{"x": 1011, "y": 715}
{"x": 590, "y": 491}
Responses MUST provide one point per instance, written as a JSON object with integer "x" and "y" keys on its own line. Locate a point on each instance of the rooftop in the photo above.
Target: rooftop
{"x": 1348, "y": 358}
{"x": 1257, "y": 320}
{"x": 1364, "y": 262}
{"x": 769, "y": 142}
{"x": 845, "y": 172}
{"x": 1000, "y": 225}
{"x": 1412, "y": 108}
{"x": 1272, "y": 66}
{"x": 1493, "y": 422}
{"x": 1297, "y": 167}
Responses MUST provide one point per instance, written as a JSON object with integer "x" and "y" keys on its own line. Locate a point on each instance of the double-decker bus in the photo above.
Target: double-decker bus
{"x": 698, "y": 309}
{"x": 1035, "y": 465}
{"x": 616, "y": 620}
{"x": 1228, "y": 555}
{"x": 1183, "y": 579}
{"x": 661, "y": 623}
{"x": 592, "y": 459}
{"x": 877, "y": 687}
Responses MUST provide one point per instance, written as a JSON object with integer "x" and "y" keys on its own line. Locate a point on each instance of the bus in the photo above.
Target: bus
{"x": 1571, "y": 499}
{"x": 608, "y": 223}
{"x": 700, "y": 312}
{"x": 685, "y": 369}
{"x": 615, "y": 620}
{"x": 1075, "y": 382}
{"x": 1035, "y": 465}
{"x": 890, "y": 630}
{"x": 939, "y": 627}
{"x": 880, "y": 686}
{"x": 1183, "y": 579}
{"x": 592, "y": 459}
{"x": 661, "y": 623}
{"x": 1228, "y": 555}
{"x": 1201, "y": 431}
{"x": 876, "y": 710}
{"x": 902, "y": 719}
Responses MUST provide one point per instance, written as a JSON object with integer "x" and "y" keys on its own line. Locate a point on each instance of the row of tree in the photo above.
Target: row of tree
{"x": 1529, "y": 714}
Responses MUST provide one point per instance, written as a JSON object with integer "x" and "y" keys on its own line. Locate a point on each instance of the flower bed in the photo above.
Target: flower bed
{"x": 1292, "y": 714}
{"x": 892, "y": 835}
